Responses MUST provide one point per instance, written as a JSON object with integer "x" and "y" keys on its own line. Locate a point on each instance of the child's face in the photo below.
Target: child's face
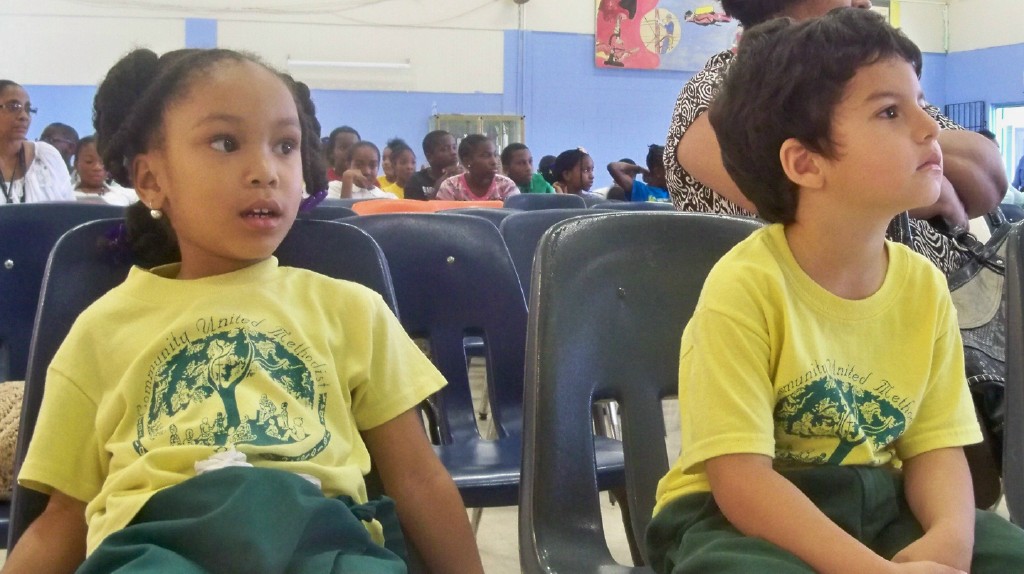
{"x": 365, "y": 160}
{"x": 404, "y": 165}
{"x": 483, "y": 164}
{"x": 339, "y": 154}
{"x": 581, "y": 177}
{"x": 520, "y": 166}
{"x": 444, "y": 154}
{"x": 386, "y": 165}
{"x": 90, "y": 167}
{"x": 887, "y": 157}
{"x": 228, "y": 172}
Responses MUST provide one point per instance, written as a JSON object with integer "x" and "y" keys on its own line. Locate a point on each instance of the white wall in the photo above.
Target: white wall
{"x": 453, "y": 46}
{"x": 924, "y": 22}
{"x": 976, "y": 24}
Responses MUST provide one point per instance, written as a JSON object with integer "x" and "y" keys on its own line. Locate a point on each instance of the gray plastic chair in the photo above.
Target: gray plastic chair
{"x": 635, "y": 206}
{"x": 610, "y": 296}
{"x": 531, "y": 201}
{"x": 1013, "y": 426}
{"x": 522, "y": 233}
{"x": 494, "y": 215}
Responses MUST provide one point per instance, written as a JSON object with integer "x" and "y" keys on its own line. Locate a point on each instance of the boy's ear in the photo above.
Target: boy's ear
{"x": 802, "y": 166}
{"x": 145, "y": 170}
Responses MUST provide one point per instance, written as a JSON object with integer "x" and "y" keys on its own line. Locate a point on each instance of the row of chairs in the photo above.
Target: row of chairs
{"x": 609, "y": 296}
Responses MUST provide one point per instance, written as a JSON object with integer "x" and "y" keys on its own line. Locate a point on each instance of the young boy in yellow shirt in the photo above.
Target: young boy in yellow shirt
{"x": 821, "y": 381}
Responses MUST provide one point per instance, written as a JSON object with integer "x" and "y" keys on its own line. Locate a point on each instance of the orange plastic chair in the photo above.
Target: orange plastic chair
{"x": 415, "y": 206}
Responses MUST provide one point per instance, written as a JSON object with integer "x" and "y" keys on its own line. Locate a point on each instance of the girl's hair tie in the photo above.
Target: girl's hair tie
{"x": 312, "y": 201}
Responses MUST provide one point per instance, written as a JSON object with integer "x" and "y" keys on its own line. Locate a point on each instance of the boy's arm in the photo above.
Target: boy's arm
{"x": 761, "y": 503}
{"x": 700, "y": 154}
{"x": 428, "y": 504}
{"x": 55, "y": 542}
{"x": 624, "y": 173}
{"x": 938, "y": 488}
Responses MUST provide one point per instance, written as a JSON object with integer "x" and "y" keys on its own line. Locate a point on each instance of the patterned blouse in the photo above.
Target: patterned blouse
{"x": 688, "y": 194}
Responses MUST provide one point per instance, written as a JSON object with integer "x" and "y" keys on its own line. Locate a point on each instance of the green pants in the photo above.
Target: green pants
{"x": 690, "y": 535}
{"x": 249, "y": 520}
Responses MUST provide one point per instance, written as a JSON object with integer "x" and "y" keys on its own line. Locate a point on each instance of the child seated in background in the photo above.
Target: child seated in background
{"x": 573, "y": 171}
{"x": 517, "y": 163}
{"x": 822, "y": 393}
{"x": 481, "y": 180}
{"x": 653, "y": 187}
{"x": 92, "y": 181}
{"x": 439, "y": 149}
{"x": 403, "y": 166}
{"x": 359, "y": 181}
{"x": 339, "y": 143}
{"x": 218, "y": 412}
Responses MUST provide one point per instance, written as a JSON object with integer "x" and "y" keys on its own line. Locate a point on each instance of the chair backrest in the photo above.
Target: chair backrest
{"x": 27, "y": 233}
{"x": 327, "y": 212}
{"x": 375, "y": 206}
{"x": 592, "y": 199}
{"x": 522, "y": 233}
{"x": 338, "y": 202}
{"x": 78, "y": 273}
{"x": 611, "y": 295}
{"x": 531, "y": 201}
{"x": 1013, "y": 431}
{"x": 453, "y": 277}
{"x": 494, "y": 215}
{"x": 636, "y": 206}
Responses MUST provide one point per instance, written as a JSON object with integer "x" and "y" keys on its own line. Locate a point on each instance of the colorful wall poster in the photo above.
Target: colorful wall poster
{"x": 660, "y": 34}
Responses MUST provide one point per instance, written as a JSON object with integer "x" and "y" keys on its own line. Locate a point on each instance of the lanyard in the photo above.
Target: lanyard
{"x": 9, "y": 190}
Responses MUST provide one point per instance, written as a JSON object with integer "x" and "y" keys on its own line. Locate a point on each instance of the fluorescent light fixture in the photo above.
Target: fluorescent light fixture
{"x": 334, "y": 64}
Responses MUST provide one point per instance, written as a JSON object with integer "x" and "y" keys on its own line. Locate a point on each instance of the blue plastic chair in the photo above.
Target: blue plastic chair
{"x": 522, "y": 233}
{"x": 592, "y": 199}
{"x": 605, "y": 327}
{"x": 495, "y": 216}
{"x": 531, "y": 201}
{"x": 27, "y": 233}
{"x": 78, "y": 273}
{"x": 635, "y": 206}
{"x": 327, "y": 212}
{"x": 453, "y": 277}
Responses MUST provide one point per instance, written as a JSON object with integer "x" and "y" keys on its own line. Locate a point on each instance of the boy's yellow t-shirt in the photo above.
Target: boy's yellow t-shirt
{"x": 774, "y": 364}
{"x": 286, "y": 365}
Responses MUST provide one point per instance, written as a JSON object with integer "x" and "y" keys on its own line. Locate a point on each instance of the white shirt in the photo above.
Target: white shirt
{"x": 334, "y": 191}
{"x": 46, "y": 178}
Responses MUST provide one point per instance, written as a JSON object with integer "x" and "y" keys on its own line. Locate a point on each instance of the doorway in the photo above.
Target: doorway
{"x": 1008, "y": 125}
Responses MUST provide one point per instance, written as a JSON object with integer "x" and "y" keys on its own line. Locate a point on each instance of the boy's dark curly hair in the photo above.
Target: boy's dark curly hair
{"x": 785, "y": 83}
{"x": 128, "y": 115}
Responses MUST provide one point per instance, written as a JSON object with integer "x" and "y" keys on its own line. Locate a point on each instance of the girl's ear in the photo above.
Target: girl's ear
{"x": 145, "y": 176}
{"x": 801, "y": 165}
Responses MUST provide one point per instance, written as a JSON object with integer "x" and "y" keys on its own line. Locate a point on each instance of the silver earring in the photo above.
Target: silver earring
{"x": 156, "y": 213}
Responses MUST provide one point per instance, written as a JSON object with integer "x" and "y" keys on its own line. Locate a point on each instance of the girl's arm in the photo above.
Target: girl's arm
{"x": 944, "y": 507}
{"x": 428, "y": 504}
{"x": 55, "y": 542}
{"x": 701, "y": 156}
{"x": 762, "y": 503}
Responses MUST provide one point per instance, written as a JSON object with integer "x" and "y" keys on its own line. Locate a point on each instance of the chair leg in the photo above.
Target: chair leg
{"x": 982, "y": 461}
{"x": 478, "y": 513}
{"x": 619, "y": 495}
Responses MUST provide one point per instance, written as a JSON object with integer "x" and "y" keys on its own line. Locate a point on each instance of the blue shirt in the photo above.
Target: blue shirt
{"x": 643, "y": 192}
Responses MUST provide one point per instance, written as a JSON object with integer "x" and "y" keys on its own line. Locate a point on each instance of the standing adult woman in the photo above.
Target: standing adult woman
{"x": 973, "y": 184}
{"x": 30, "y": 172}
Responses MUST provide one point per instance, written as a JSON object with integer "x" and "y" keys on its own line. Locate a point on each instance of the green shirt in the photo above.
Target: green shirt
{"x": 537, "y": 185}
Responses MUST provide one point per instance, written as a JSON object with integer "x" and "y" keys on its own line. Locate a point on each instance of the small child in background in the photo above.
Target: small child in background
{"x": 443, "y": 162}
{"x": 359, "y": 181}
{"x": 823, "y": 401}
{"x": 339, "y": 142}
{"x": 63, "y": 137}
{"x": 218, "y": 412}
{"x": 92, "y": 181}
{"x": 546, "y": 168}
{"x": 517, "y": 163}
{"x": 387, "y": 175}
{"x": 573, "y": 171}
{"x": 653, "y": 187}
{"x": 403, "y": 167}
{"x": 481, "y": 180}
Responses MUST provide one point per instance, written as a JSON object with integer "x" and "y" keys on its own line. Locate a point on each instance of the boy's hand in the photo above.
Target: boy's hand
{"x": 924, "y": 568}
{"x": 934, "y": 545}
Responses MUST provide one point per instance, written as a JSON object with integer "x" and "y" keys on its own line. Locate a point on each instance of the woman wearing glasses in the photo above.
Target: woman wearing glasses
{"x": 30, "y": 172}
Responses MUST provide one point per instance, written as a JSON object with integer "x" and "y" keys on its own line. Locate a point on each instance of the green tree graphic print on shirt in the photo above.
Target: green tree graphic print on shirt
{"x": 832, "y": 407}
{"x": 197, "y": 381}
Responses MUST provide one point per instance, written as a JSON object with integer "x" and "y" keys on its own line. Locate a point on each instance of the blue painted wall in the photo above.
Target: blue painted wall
{"x": 933, "y": 78}
{"x": 993, "y": 75}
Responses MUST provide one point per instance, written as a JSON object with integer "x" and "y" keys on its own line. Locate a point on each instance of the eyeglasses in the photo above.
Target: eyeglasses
{"x": 17, "y": 107}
